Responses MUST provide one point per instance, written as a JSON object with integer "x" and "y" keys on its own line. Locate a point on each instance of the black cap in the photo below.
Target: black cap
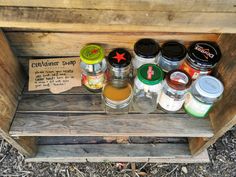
{"x": 173, "y": 51}
{"x": 204, "y": 53}
{"x": 119, "y": 58}
{"x": 146, "y": 48}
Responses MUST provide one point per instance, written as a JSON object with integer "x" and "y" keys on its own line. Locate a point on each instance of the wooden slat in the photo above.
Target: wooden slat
{"x": 119, "y": 21}
{"x": 69, "y": 44}
{"x": 158, "y": 153}
{"x": 162, "y": 125}
{"x": 223, "y": 115}
{"x": 122, "y": 5}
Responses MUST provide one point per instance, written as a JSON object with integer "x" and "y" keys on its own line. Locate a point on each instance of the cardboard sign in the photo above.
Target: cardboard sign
{"x": 57, "y": 74}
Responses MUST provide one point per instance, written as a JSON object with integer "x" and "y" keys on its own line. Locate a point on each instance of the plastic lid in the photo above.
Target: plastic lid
{"x": 209, "y": 87}
{"x": 92, "y": 54}
{"x": 203, "y": 53}
{"x": 150, "y": 74}
{"x": 119, "y": 58}
{"x": 146, "y": 48}
{"x": 173, "y": 51}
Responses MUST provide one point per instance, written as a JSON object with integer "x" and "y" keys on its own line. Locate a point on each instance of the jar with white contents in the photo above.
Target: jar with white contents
{"x": 175, "y": 87}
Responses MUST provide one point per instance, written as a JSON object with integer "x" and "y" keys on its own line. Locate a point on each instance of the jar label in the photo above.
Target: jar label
{"x": 194, "y": 74}
{"x": 93, "y": 82}
{"x": 170, "y": 104}
{"x": 195, "y": 107}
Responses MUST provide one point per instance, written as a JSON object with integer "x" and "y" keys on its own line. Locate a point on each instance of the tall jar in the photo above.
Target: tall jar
{"x": 172, "y": 54}
{"x": 205, "y": 91}
{"x": 174, "y": 90}
{"x": 93, "y": 67}
{"x": 201, "y": 59}
{"x": 147, "y": 88}
{"x": 117, "y": 100}
{"x": 145, "y": 51}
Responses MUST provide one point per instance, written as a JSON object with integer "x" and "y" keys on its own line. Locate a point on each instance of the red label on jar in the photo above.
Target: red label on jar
{"x": 93, "y": 82}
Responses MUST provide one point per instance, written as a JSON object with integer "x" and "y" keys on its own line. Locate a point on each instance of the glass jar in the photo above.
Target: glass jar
{"x": 93, "y": 67}
{"x": 117, "y": 99}
{"x": 172, "y": 54}
{"x": 205, "y": 91}
{"x": 201, "y": 59}
{"x": 145, "y": 51}
{"x": 175, "y": 87}
{"x": 147, "y": 88}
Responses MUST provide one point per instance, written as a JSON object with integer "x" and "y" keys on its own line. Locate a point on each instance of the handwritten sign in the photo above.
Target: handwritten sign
{"x": 57, "y": 74}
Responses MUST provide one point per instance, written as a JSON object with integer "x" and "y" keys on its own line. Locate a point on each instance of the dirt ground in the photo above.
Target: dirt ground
{"x": 222, "y": 155}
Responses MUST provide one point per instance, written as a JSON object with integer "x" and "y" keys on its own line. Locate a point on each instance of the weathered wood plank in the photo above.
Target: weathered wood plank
{"x": 158, "y": 153}
{"x": 161, "y": 125}
{"x": 69, "y": 44}
{"x": 223, "y": 115}
{"x": 122, "y": 5}
{"x": 119, "y": 21}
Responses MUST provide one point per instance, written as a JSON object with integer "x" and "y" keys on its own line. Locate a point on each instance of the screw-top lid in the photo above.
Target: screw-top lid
{"x": 173, "y": 51}
{"x": 209, "y": 86}
{"x": 150, "y": 74}
{"x": 204, "y": 54}
{"x": 92, "y": 54}
{"x": 146, "y": 48}
{"x": 119, "y": 58}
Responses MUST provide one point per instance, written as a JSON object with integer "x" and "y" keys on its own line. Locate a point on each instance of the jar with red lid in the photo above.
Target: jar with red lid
{"x": 175, "y": 87}
{"x": 202, "y": 57}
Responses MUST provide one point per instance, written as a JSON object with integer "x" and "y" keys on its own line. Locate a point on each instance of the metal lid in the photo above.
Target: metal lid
{"x": 173, "y": 51}
{"x": 92, "y": 54}
{"x": 146, "y": 48}
{"x": 119, "y": 58}
{"x": 209, "y": 86}
{"x": 204, "y": 54}
{"x": 150, "y": 74}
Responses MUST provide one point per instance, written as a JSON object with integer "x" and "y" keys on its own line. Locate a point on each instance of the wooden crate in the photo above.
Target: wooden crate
{"x": 73, "y": 126}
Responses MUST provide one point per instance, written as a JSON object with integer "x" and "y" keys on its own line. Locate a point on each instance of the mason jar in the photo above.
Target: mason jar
{"x": 175, "y": 87}
{"x": 205, "y": 91}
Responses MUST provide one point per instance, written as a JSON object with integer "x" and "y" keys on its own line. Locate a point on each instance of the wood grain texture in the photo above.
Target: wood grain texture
{"x": 124, "y": 5}
{"x": 109, "y": 20}
{"x": 158, "y": 153}
{"x": 69, "y": 44}
{"x": 223, "y": 115}
{"x": 162, "y": 125}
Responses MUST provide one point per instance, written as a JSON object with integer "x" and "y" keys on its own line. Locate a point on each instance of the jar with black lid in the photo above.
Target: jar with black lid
{"x": 172, "y": 54}
{"x": 201, "y": 59}
{"x": 145, "y": 51}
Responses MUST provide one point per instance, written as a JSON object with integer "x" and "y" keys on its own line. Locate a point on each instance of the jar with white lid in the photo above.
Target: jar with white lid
{"x": 145, "y": 51}
{"x": 175, "y": 87}
{"x": 147, "y": 88}
{"x": 205, "y": 91}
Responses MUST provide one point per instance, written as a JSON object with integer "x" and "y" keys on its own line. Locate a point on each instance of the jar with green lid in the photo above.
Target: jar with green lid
{"x": 205, "y": 91}
{"x": 93, "y": 67}
{"x": 147, "y": 88}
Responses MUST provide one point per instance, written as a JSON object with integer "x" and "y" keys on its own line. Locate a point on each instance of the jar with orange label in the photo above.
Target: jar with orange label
{"x": 202, "y": 57}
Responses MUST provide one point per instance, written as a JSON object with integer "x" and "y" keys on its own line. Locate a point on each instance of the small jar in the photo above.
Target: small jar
{"x": 145, "y": 51}
{"x": 147, "y": 88}
{"x": 174, "y": 90}
{"x": 117, "y": 99}
{"x": 205, "y": 91}
{"x": 119, "y": 65}
{"x": 201, "y": 59}
{"x": 172, "y": 54}
{"x": 93, "y": 67}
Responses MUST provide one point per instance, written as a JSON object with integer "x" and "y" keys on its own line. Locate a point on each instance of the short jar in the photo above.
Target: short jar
{"x": 147, "y": 88}
{"x": 205, "y": 91}
{"x": 201, "y": 59}
{"x": 175, "y": 87}
{"x": 117, "y": 100}
{"x": 172, "y": 54}
{"x": 93, "y": 67}
{"x": 145, "y": 51}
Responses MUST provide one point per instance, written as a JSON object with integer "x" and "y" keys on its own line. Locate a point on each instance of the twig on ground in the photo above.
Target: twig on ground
{"x": 171, "y": 171}
{"x": 143, "y": 166}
